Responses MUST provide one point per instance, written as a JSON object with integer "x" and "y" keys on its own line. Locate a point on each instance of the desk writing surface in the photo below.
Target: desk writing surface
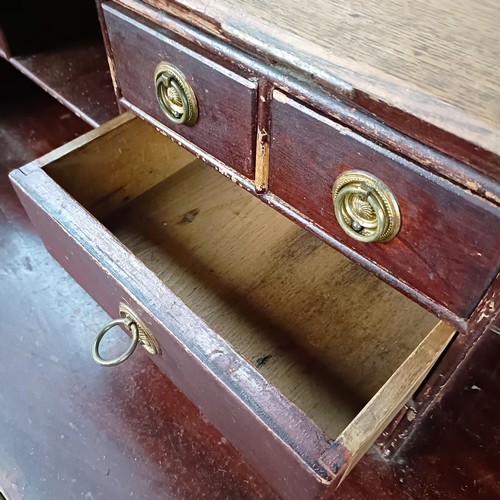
{"x": 438, "y": 60}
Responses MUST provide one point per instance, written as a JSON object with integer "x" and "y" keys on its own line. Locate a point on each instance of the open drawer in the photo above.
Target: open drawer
{"x": 298, "y": 355}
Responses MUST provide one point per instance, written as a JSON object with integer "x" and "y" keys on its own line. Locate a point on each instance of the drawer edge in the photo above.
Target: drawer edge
{"x": 362, "y": 432}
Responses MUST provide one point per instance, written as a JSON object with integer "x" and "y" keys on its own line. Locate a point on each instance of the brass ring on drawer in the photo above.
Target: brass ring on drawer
{"x": 175, "y": 96}
{"x": 133, "y": 329}
{"x": 365, "y": 207}
{"x": 140, "y": 335}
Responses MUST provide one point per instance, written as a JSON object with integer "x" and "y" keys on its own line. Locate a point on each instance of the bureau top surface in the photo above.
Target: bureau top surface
{"x": 437, "y": 60}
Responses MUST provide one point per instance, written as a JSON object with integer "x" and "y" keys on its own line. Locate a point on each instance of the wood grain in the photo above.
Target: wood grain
{"x": 383, "y": 407}
{"x": 320, "y": 329}
{"x": 449, "y": 241}
{"x": 70, "y": 429}
{"x": 435, "y": 149}
{"x": 239, "y": 275}
{"x": 98, "y": 166}
{"x": 434, "y": 60}
{"x": 231, "y": 394}
{"x": 241, "y": 267}
{"x": 226, "y": 128}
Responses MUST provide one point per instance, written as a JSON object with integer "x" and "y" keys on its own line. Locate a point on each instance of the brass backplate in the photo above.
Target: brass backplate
{"x": 146, "y": 338}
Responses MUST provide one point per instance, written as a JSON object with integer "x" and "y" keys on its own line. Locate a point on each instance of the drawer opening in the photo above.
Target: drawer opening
{"x": 320, "y": 328}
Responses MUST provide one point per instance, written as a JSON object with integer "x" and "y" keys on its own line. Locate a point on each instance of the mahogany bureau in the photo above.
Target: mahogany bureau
{"x": 341, "y": 256}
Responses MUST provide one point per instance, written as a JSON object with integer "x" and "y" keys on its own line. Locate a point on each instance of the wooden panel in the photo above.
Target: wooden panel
{"x": 449, "y": 245}
{"x": 383, "y": 407}
{"x": 232, "y": 395}
{"x": 434, "y": 61}
{"x": 227, "y": 102}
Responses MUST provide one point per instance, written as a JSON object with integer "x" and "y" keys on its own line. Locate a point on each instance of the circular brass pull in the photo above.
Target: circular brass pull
{"x": 175, "y": 96}
{"x": 131, "y": 326}
{"x": 365, "y": 207}
{"x": 140, "y": 335}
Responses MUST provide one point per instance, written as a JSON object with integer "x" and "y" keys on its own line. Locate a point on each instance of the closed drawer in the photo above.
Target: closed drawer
{"x": 226, "y": 123}
{"x": 448, "y": 245}
{"x": 298, "y": 355}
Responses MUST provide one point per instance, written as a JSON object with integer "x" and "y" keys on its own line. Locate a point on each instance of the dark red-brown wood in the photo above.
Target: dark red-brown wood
{"x": 129, "y": 430}
{"x": 227, "y": 102}
{"x": 439, "y": 152}
{"x": 449, "y": 242}
{"x": 291, "y": 51}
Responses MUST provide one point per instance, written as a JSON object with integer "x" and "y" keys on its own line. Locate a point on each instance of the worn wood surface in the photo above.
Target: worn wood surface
{"x": 435, "y": 61}
{"x": 68, "y": 428}
{"x": 221, "y": 264}
{"x": 127, "y": 160}
{"x": 383, "y": 407}
{"x": 204, "y": 255}
{"x": 449, "y": 242}
{"x": 232, "y": 395}
{"x": 258, "y": 281}
{"x": 478, "y": 178}
{"x": 135, "y": 432}
{"x": 227, "y": 102}
{"x": 76, "y": 74}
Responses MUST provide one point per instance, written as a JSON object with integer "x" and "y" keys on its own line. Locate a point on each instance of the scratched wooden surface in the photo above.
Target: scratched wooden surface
{"x": 139, "y": 450}
{"x": 437, "y": 60}
{"x": 258, "y": 280}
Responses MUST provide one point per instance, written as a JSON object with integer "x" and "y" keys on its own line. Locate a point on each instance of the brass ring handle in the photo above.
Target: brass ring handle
{"x": 365, "y": 207}
{"x": 134, "y": 330}
{"x": 175, "y": 96}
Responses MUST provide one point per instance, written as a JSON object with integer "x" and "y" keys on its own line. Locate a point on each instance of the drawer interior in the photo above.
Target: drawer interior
{"x": 324, "y": 331}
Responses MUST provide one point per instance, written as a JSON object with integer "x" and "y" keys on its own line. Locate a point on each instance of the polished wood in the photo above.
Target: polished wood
{"x": 436, "y": 62}
{"x": 227, "y": 101}
{"x": 135, "y": 432}
{"x": 76, "y": 74}
{"x": 449, "y": 242}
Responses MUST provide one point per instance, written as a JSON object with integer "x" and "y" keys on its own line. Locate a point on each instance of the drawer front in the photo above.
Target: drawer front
{"x": 448, "y": 246}
{"x": 226, "y": 124}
